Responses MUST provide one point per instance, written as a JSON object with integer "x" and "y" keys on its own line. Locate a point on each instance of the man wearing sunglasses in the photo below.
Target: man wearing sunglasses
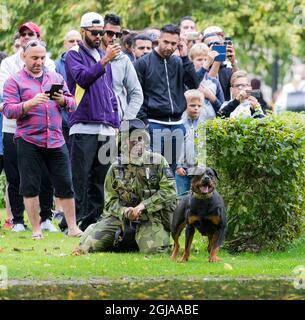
{"x": 10, "y": 66}
{"x": 125, "y": 80}
{"x": 213, "y": 36}
{"x": 95, "y": 120}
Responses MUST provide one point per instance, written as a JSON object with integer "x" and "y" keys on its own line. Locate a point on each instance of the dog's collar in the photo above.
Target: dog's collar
{"x": 201, "y": 196}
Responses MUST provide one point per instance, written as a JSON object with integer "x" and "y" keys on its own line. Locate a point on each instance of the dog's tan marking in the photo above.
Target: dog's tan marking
{"x": 192, "y": 219}
{"x": 214, "y": 219}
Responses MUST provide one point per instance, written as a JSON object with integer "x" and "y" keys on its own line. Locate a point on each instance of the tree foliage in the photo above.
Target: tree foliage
{"x": 261, "y": 30}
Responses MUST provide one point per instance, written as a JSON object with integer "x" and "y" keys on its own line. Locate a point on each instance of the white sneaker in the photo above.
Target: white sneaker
{"x": 48, "y": 226}
{"x": 18, "y": 227}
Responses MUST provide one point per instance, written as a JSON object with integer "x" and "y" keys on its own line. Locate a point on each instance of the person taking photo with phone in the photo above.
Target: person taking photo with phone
{"x": 124, "y": 77}
{"x": 243, "y": 104}
{"x": 38, "y": 136}
{"x": 9, "y": 66}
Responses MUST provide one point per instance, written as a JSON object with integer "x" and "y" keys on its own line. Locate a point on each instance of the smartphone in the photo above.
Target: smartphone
{"x": 222, "y": 52}
{"x": 117, "y": 41}
{"x": 55, "y": 88}
{"x": 192, "y": 35}
{"x": 254, "y": 93}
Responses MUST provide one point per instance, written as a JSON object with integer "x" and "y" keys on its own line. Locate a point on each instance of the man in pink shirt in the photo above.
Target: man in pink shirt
{"x": 38, "y": 136}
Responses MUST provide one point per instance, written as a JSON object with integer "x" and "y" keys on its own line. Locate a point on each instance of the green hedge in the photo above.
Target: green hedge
{"x": 261, "y": 164}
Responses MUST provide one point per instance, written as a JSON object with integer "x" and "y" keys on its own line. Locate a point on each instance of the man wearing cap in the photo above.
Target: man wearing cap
{"x": 10, "y": 66}
{"x": 139, "y": 199}
{"x": 38, "y": 137}
{"x": 215, "y": 36}
{"x": 125, "y": 80}
{"x": 96, "y": 118}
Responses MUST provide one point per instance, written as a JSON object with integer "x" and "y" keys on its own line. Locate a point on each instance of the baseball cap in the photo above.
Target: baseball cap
{"x": 213, "y": 30}
{"x": 31, "y": 26}
{"x": 91, "y": 19}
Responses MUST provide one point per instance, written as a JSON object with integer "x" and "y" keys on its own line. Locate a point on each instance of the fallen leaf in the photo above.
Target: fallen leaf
{"x": 103, "y": 294}
{"x": 2, "y": 250}
{"x": 142, "y": 296}
{"x": 71, "y": 295}
{"x": 227, "y": 266}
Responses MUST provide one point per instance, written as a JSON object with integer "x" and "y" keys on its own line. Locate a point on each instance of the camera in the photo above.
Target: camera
{"x": 254, "y": 93}
{"x": 192, "y": 35}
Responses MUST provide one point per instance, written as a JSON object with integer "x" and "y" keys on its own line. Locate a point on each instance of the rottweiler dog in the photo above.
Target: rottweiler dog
{"x": 202, "y": 209}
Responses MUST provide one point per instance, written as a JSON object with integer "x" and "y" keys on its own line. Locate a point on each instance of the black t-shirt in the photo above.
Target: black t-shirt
{"x": 40, "y": 78}
{"x": 225, "y": 75}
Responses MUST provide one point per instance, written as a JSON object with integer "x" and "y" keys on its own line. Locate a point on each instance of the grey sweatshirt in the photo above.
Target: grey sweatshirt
{"x": 126, "y": 87}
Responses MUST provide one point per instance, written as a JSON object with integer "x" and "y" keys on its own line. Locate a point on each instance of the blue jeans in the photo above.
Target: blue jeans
{"x": 167, "y": 139}
{"x": 183, "y": 184}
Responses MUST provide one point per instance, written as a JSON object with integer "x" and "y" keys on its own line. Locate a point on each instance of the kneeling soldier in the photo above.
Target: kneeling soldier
{"x": 139, "y": 199}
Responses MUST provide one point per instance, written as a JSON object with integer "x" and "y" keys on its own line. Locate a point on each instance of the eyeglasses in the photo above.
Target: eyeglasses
{"x": 112, "y": 33}
{"x": 34, "y": 43}
{"x": 96, "y": 32}
{"x": 241, "y": 86}
{"x": 216, "y": 43}
{"x": 24, "y": 34}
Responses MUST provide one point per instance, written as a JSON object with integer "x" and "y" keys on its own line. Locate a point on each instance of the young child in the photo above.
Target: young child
{"x": 187, "y": 160}
{"x": 203, "y": 59}
{"x": 242, "y": 104}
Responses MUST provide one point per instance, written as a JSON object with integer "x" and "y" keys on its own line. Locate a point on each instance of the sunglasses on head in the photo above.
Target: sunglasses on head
{"x": 24, "y": 34}
{"x": 112, "y": 33}
{"x": 34, "y": 43}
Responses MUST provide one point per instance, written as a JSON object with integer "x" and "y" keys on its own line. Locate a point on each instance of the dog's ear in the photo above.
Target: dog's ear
{"x": 216, "y": 174}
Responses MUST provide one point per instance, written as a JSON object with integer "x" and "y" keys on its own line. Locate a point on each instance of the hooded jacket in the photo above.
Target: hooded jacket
{"x": 126, "y": 87}
{"x": 92, "y": 86}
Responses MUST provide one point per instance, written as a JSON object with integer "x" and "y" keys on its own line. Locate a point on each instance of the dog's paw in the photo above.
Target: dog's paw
{"x": 174, "y": 257}
{"x": 78, "y": 251}
{"x": 183, "y": 259}
{"x": 214, "y": 259}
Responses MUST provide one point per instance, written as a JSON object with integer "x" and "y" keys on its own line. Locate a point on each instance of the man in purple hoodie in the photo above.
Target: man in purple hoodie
{"x": 95, "y": 120}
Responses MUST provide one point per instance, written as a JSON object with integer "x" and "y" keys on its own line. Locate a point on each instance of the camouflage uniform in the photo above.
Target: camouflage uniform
{"x": 127, "y": 185}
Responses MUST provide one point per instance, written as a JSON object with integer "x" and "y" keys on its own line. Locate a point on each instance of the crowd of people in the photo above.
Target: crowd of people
{"x": 103, "y": 138}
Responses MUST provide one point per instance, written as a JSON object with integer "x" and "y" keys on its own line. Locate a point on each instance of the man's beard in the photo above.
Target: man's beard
{"x": 92, "y": 44}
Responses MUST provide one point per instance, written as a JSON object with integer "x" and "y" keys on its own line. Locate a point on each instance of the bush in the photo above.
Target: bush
{"x": 261, "y": 164}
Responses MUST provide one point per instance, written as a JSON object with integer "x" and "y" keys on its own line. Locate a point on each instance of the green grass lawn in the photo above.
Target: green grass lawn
{"x": 51, "y": 259}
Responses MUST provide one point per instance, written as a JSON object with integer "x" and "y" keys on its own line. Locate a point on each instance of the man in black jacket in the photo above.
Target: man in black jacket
{"x": 163, "y": 77}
